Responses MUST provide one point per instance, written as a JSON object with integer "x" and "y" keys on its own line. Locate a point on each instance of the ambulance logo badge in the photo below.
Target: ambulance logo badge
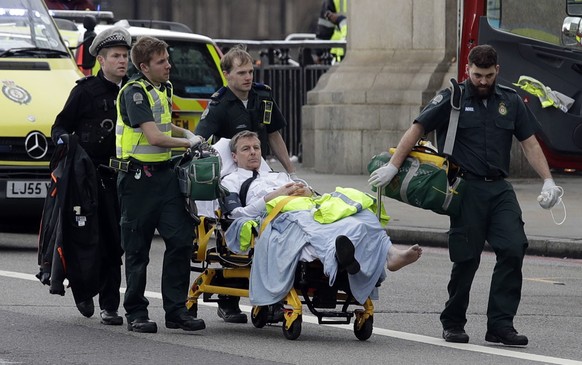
{"x": 502, "y": 109}
{"x": 15, "y": 93}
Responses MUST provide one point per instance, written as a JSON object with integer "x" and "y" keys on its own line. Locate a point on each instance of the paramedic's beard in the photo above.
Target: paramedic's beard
{"x": 482, "y": 92}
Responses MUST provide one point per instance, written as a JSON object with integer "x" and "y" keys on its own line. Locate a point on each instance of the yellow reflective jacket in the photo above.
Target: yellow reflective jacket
{"x": 130, "y": 142}
{"x": 330, "y": 208}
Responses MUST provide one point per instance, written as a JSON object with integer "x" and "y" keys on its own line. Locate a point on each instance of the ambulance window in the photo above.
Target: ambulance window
{"x": 194, "y": 73}
{"x": 540, "y": 20}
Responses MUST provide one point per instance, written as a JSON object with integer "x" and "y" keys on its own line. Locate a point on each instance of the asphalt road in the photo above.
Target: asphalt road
{"x": 39, "y": 328}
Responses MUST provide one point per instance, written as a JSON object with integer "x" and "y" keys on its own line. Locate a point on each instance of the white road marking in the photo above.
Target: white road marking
{"x": 377, "y": 331}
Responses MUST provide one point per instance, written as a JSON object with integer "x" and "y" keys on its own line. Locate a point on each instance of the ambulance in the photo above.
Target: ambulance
{"x": 195, "y": 58}
{"x": 540, "y": 54}
{"x": 37, "y": 72}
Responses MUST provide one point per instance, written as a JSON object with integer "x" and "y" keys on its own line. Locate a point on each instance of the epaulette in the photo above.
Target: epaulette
{"x": 260, "y": 86}
{"x": 81, "y": 80}
{"x": 507, "y": 88}
{"x": 215, "y": 98}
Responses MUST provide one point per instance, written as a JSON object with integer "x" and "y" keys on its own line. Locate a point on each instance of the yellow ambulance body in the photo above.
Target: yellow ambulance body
{"x": 37, "y": 72}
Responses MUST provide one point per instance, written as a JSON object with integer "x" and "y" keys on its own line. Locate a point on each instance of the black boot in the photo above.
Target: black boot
{"x": 344, "y": 254}
{"x": 229, "y": 310}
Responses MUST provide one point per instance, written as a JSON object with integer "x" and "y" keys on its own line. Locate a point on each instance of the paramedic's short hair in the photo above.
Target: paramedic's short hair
{"x": 483, "y": 56}
{"x": 238, "y": 52}
{"x": 145, "y": 48}
{"x": 240, "y": 135}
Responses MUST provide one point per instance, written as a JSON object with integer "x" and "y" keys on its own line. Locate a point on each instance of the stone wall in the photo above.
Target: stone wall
{"x": 398, "y": 55}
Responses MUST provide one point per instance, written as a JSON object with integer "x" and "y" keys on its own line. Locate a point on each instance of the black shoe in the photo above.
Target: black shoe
{"x": 507, "y": 336}
{"x": 276, "y": 313}
{"x": 231, "y": 314}
{"x": 142, "y": 325}
{"x": 111, "y": 318}
{"x": 344, "y": 253}
{"x": 87, "y": 308}
{"x": 185, "y": 322}
{"x": 455, "y": 334}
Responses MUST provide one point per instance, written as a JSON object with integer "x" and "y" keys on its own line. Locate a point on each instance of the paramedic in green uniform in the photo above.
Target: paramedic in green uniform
{"x": 490, "y": 116}
{"x": 149, "y": 194}
{"x": 239, "y": 106}
{"x": 245, "y": 105}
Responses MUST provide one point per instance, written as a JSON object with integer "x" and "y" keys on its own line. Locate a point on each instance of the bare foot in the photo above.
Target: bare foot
{"x": 397, "y": 259}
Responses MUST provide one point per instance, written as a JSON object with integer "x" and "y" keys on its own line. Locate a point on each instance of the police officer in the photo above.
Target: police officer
{"x": 148, "y": 189}
{"x": 244, "y": 105}
{"x": 490, "y": 116}
{"x": 332, "y": 24}
{"x": 90, "y": 114}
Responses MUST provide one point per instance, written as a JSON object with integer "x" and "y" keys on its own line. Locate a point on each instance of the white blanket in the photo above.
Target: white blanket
{"x": 278, "y": 250}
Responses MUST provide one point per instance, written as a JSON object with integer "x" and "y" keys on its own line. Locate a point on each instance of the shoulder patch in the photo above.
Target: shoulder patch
{"x": 137, "y": 98}
{"x": 80, "y": 81}
{"x": 204, "y": 114}
{"x": 437, "y": 99}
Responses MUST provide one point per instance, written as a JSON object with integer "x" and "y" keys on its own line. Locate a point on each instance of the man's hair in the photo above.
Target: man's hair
{"x": 238, "y": 52}
{"x": 240, "y": 135}
{"x": 145, "y": 48}
{"x": 483, "y": 56}
{"x": 104, "y": 52}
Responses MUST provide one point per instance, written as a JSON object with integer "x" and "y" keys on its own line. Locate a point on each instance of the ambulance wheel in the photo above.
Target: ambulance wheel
{"x": 294, "y": 330}
{"x": 365, "y": 331}
{"x": 259, "y": 319}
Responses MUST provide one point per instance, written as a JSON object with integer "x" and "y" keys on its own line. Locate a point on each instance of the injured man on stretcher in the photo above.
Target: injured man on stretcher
{"x": 339, "y": 229}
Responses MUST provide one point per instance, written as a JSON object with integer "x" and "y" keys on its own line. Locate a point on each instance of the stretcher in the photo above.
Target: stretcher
{"x": 222, "y": 271}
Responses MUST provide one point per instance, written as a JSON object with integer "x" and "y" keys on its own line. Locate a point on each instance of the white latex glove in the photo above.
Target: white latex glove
{"x": 192, "y": 138}
{"x": 550, "y": 194}
{"x": 383, "y": 175}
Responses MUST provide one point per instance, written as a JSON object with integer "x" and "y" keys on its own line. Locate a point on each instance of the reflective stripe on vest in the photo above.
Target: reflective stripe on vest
{"x": 130, "y": 142}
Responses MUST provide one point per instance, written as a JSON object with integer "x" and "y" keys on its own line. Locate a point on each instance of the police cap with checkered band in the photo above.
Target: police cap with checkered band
{"x": 111, "y": 37}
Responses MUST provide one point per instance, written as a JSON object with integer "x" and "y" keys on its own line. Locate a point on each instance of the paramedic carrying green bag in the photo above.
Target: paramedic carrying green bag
{"x": 426, "y": 179}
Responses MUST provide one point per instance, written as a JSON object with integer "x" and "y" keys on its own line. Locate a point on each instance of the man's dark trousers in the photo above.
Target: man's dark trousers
{"x": 490, "y": 212}
{"x": 148, "y": 203}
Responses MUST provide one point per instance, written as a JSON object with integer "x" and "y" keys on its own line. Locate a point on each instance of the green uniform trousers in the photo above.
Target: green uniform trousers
{"x": 489, "y": 212}
{"x": 148, "y": 203}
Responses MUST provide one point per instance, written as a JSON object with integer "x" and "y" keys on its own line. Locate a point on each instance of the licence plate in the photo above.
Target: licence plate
{"x": 26, "y": 189}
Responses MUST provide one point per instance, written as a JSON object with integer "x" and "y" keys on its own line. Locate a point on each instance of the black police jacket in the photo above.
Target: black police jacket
{"x": 226, "y": 115}
{"x": 68, "y": 246}
{"x": 90, "y": 113}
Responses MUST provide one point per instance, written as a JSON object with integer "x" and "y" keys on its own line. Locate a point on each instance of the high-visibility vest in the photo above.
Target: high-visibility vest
{"x": 330, "y": 208}
{"x": 341, "y": 31}
{"x": 130, "y": 142}
{"x": 345, "y": 202}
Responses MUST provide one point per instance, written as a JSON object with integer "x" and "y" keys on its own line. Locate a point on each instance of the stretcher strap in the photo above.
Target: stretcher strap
{"x": 275, "y": 211}
{"x": 203, "y": 239}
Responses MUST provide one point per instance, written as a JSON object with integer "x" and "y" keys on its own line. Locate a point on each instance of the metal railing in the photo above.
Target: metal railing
{"x": 290, "y": 69}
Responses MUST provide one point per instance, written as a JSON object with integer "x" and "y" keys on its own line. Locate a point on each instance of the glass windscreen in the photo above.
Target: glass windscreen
{"x": 27, "y": 30}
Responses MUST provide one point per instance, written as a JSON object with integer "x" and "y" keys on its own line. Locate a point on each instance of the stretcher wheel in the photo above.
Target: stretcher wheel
{"x": 365, "y": 331}
{"x": 259, "y": 316}
{"x": 294, "y": 330}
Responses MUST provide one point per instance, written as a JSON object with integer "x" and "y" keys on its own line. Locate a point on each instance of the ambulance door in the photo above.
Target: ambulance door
{"x": 531, "y": 40}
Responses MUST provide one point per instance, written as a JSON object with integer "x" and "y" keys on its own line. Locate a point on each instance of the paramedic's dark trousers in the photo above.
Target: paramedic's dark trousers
{"x": 109, "y": 240}
{"x": 148, "y": 203}
{"x": 490, "y": 211}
